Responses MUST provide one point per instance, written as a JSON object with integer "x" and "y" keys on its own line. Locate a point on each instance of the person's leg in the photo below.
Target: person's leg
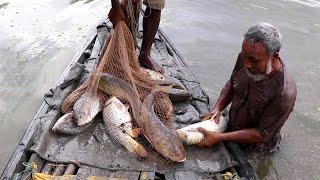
{"x": 150, "y": 27}
{"x": 116, "y": 14}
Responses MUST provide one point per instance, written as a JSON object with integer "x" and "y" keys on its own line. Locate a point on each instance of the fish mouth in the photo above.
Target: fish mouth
{"x": 182, "y": 160}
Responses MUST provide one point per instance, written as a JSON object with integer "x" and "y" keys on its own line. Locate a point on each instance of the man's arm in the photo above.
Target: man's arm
{"x": 115, "y": 3}
{"x": 225, "y": 97}
{"x": 241, "y": 136}
{"x": 116, "y": 14}
{"x": 224, "y": 100}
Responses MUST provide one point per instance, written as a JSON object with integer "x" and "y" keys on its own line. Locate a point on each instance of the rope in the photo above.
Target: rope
{"x": 143, "y": 13}
{"x": 132, "y": 17}
{"x": 32, "y": 167}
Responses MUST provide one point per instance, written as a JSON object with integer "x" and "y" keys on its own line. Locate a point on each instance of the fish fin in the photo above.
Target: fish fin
{"x": 135, "y": 132}
{"x": 141, "y": 151}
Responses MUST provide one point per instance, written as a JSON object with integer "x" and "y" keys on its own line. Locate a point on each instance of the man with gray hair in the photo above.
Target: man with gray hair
{"x": 261, "y": 92}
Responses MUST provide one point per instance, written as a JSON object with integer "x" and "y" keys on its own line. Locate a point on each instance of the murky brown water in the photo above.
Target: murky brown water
{"x": 38, "y": 39}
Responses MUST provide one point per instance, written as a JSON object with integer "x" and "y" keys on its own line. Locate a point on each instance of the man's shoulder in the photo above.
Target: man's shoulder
{"x": 289, "y": 90}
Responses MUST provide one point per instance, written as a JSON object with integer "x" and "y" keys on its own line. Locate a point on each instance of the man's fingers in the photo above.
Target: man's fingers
{"x": 206, "y": 117}
{"x": 203, "y": 131}
{"x": 210, "y": 115}
{"x": 214, "y": 115}
{"x": 217, "y": 119}
{"x": 203, "y": 144}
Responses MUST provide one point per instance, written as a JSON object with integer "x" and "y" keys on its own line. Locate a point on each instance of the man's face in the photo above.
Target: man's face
{"x": 255, "y": 58}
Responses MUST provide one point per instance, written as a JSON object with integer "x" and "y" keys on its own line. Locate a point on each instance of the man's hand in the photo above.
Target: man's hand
{"x": 116, "y": 14}
{"x": 211, "y": 138}
{"x": 214, "y": 114}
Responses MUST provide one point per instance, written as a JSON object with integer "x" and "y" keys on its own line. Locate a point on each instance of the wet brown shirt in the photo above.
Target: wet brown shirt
{"x": 264, "y": 105}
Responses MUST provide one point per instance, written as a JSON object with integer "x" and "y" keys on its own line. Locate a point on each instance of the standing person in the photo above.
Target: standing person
{"x": 150, "y": 26}
{"x": 261, "y": 91}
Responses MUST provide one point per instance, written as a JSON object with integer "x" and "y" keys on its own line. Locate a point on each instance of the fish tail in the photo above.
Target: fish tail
{"x": 138, "y": 149}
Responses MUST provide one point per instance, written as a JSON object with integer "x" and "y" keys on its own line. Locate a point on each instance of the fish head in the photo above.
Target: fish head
{"x": 177, "y": 153}
{"x": 115, "y": 102}
{"x": 65, "y": 119}
{"x": 174, "y": 149}
{"x": 83, "y": 117}
{"x": 86, "y": 108}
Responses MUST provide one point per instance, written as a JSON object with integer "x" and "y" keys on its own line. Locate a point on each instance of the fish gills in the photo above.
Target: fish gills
{"x": 190, "y": 135}
{"x": 118, "y": 124}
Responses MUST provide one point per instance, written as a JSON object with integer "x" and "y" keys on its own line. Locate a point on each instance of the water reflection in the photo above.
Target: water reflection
{"x": 4, "y": 5}
{"x": 263, "y": 165}
{"x": 38, "y": 40}
{"x": 75, "y": 1}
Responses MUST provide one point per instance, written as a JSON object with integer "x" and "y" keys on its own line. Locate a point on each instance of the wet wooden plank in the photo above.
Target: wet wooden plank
{"x": 59, "y": 170}
{"x": 47, "y": 168}
{"x": 70, "y": 170}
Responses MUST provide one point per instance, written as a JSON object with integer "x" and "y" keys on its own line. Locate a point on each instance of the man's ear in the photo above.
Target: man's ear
{"x": 275, "y": 56}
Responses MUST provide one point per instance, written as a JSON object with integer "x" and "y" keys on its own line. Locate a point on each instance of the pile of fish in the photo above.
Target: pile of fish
{"x": 118, "y": 121}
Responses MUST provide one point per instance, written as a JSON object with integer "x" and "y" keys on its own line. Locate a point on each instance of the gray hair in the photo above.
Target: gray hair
{"x": 267, "y": 34}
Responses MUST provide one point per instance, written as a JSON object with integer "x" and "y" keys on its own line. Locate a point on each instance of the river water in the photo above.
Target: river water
{"x": 39, "y": 37}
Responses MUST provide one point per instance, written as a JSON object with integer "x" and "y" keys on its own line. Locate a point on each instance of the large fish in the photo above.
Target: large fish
{"x": 86, "y": 108}
{"x": 118, "y": 124}
{"x": 66, "y": 125}
{"x": 120, "y": 88}
{"x": 190, "y": 135}
{"x": 164, "y": 140}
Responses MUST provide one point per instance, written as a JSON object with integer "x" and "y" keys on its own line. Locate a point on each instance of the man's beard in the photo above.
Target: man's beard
{"x": 260, "y": 77}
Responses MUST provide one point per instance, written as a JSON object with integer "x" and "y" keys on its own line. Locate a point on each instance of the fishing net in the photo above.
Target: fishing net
{"x": 120, "y": 60}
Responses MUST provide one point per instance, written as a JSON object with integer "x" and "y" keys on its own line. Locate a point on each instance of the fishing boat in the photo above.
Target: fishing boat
{"x": 91, "y": 153}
